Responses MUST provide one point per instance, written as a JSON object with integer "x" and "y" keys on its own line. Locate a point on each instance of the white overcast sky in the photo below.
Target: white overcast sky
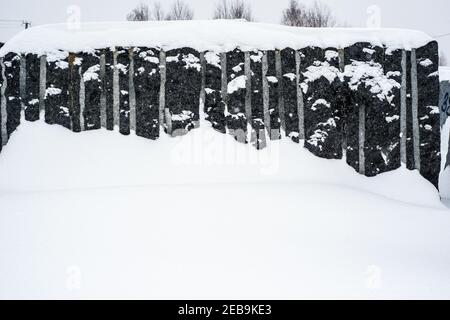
{"x": 432, "y": 17}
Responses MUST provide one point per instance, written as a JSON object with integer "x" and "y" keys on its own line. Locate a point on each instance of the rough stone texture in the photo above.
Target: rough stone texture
{"x": 409, "y": 123}
{"x": 123, "y": 64}
{"x": 183, "y": 84}
{"x": 56, "y": 94}
{"x": 391, "y": 133}
{"x": 258, "y": 138}
{"x": 275, "y": 122}
{"x": 3, "y": 117}
{"x": 12, "y": 93}
{"x": 90, "y": 69}
{"x": 377, "y": 109}
{"x": 381, "y": 145}
{"x": 214, "y": 104}
{"x": 444, "y": 106}
{"x": 322, "y": 108}
{"x": 31, "y": 98}
{"x": 132, "y": 92}
{"x": 108, "y": 87}
{"x": 74, "y": 91}
{"x": 288, "y": 65}
{"x": 350, "y": 112}
{"x": 147, "y": 84}
{"x": 428, "y": 111}
{"x": 236, "y": 119}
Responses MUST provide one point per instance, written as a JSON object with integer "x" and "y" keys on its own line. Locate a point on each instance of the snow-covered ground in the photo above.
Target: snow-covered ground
{"x": 100, "y": 215}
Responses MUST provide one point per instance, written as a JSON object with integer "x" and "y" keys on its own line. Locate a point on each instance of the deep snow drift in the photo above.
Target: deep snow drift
{"x": 100, "y": 215}
{"x": 213, "y": 35}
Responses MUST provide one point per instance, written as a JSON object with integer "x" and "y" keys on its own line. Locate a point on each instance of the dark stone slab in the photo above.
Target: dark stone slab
{"x": 380, "y": 110}
{"x": 275, "y": 122}
{"x": 147, "y": 84}
{"x": 108, "y": 87}
{"x": 90, "y": 69}
{"x": 1, "y": 97}
{"x": 12, "y": 92}
{"x": 74, "y": 90}
{"x": 322, "y": 101}
{"x": 214, "y": 104}
{"x": 391, "y": 113}
{"x": 123, "y": 65}
{"x": 288, "y": 65}
{"x": 428, "y": 111}
{"x": 236, "y": 119}
{"x": 32, "y": 85}
{"x": 183, "y": 85}
{"x": 364, "y": 63}
{"x": 56, "y": 95}
{"x": 444, "y": 106}
{"x": 410, "y": 164}
{"x": 351, "y": 109}
{"x": 258, "y": 139}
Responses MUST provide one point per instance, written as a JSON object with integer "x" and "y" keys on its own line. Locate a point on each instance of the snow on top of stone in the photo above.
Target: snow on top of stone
{"x": 202, "y": 35}
{"x": 444, "y": 73}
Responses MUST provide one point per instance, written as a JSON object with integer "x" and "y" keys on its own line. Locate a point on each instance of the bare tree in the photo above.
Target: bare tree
{"x": 295, "y": 15}
{"x": 318, "y": 15}
{"x": 140, "y": 13}
{"x": 157, "y": 12}
{"x": 233, "y": 9}
{"x": 180, "y": 11}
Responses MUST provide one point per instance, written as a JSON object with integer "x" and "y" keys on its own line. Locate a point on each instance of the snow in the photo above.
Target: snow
{"x": 319, "y": 102}
{"x": 319, "y": 136}
{"x": 426, "y": 63}
{"x": 433, "y": 109}
{"x": 290, "y": 76}
{"x": 52, "y": 91}
{"x": 101, "y": 215}
{"x": 92, "y": 73}
{"x": 444, "y": 73}
{"x": 331, "y": 54}
{"x": 236, "y": 84}
{"x": 369, "y": 51}
{"x": 213, "y": 59}
{"x": 373, "y": 77}
{"x": 257, "y": 57}
{"x": 392, "y": 119}
{"x": 185, "y": 115}
{"x": 318, "y": 70}
{"x": 202, "y": 35}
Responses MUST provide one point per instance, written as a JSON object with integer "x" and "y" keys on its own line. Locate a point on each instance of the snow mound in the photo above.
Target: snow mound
{"x": 40, "y": 157}
{"x": 214, "y": 35}
{"x": 99, "y": 215}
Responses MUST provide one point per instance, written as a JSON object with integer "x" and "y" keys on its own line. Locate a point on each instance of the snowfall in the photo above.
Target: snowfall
{"x": 101, "y": 215}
